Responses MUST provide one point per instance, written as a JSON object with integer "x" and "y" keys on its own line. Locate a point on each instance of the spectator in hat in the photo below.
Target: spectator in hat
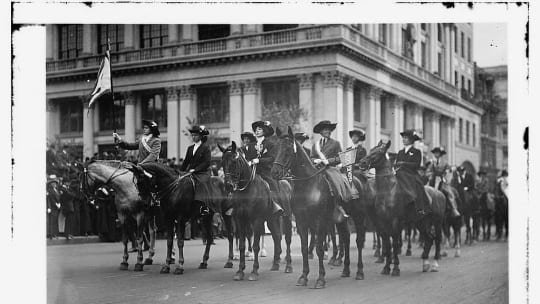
{"x": 301, "y": 137}
{"x": 408, "y": 162}
{"x": 263, "y": 156}
{"x": 149, "y": 145}
{"x": 248, "y": 142}
{"x": 197, "y": 162}
{"x": 326, "y": 150}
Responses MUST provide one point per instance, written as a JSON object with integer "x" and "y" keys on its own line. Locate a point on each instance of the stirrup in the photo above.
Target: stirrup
{"x": 204, "y": 210}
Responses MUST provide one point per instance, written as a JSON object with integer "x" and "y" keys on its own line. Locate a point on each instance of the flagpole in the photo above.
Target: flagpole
{"x": 112, "y": 88}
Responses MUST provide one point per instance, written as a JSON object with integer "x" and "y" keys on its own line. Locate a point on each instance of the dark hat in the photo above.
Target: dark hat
{"x": 201, "y": 130}
{"x": 248, "y": 135}
{"x": 301, "y": 136}
{"x": 265, "y": 125}
{"x": 324, "y": 124}
{"x": 361, "y": 134}
{"x": 411, "y": 134}
{"x": 439, "y": 150}
{"x": 461, "y": 168}
{"x": 152, "y": 125}
{"x": 504, "y": 173}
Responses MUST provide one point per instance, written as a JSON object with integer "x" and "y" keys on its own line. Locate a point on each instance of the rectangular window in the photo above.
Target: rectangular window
{"x": 469, "y": 49}
{"x": 153, "y": 35}
{"x": 423, "y": 54}
{"x": 115, "y": 33}
{"x": 213, "y": 104}
{"x": 439, "y": 33}
{"x": 460, "y": 130}
{"x": 474, "y": 135}
{"x": 71, "y": 116}
{"x": 383, "y": 112}
{"x": 383, "y": 35}
{"x": 423, "y": 26}
{"x": 106, "y": 112}
{"x": 455, "y": 40}
{"x": 70, "y": 41}
{"x": 281, "y": 93}
{"x": 439, "y": 63}
{"x": 357, "y": 103}
{"x": 456, "y": 79}
{"x": 462, "y": 45}
{"x": 404, "y": 42}
{"x": 462, "y": 82}
{"x": 467, "y": 133}
{"x": 154, "y": 107}
{"x": 469, "y": 86}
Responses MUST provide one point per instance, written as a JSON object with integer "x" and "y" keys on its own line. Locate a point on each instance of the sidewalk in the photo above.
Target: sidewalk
{"x": 75, "y": 240}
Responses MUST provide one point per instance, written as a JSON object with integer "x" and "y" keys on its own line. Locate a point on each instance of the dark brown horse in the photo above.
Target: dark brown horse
{"x": 392, "y": 212}
{"x": 454, "y": 223}
{"x": 312, "y": 204}
{"x": 252, "y": 207}
{"x": 176, "y": 193}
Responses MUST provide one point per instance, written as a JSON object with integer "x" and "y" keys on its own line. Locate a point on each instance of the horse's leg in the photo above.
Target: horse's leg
{"x": 125, "y": 239}
{"x": 446, "y": 237}
{"x": 360, "y": 239}
{"x": 230, "y": 238}
{"x": 140, "y": 239}
{"x": 322, "y": 229}
{"x": 344, "y": 241}
{"x": 258, "y": 230}
{"x": 302, "y": 229}
{"x": 241, "y": 228}
{"x": 275, "y": 229}
{"x": 438, "y": 236}
{"x": 380, "y": 253}
{"x": 312, "y": 243}
{"x": 180, "y": 236}
{"x": 428, "y": 242}
{"x": 169, "y": 226}
{"x": 374, "y": 234}
{"x": 287, "y": 226}
{"x": 332, "y": 234}
{"x": 207, "y": 222}
{"x": 396, "y": 246}
{"x": 249, "y": 236}
{"x": 386, "y": 252}
{"x": 409, "y": 235}
{"x": 152, "y": 235}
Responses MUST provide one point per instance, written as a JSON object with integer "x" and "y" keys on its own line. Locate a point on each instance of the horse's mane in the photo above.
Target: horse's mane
{"x": 161, "y": 169}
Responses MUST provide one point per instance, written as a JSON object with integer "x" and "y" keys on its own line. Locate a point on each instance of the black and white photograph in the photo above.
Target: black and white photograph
{"x": 375, "y": 157}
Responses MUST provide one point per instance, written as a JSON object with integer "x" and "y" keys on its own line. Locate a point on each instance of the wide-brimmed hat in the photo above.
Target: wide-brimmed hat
{"x": 248, "y": 135}
{"x": 411, "y": 134}
{"x": 361, "y": 134}
{"x": 324, "y": 124}
{"x": 265, "y": 125}
{"x": 439, "y": 150}
{"x": 201, "y": 130}
{"x": 301, "y": 136}
{"x": 154, "y": 128}
{"x": 461, "y": 168}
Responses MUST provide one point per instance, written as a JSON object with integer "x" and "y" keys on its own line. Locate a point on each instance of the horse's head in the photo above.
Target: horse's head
{"x": 234, "y": 163}
{"x": 376, "y": 157}
{"x": 287, "y": 147}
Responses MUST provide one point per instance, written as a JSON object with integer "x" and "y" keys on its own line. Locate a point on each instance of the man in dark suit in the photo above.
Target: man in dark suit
{"x": 263, "y": 156}
{"x": 408, "y": 162}
{"x": 197, "y": 162}
{"x": 326, "y": 150}
{"x": 465, "y": 179}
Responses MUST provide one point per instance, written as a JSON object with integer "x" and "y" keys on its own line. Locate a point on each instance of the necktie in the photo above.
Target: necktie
{"x": 323, "y": 142}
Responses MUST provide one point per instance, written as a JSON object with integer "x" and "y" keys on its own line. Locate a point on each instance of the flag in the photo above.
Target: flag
{"x": 103, "y": 81}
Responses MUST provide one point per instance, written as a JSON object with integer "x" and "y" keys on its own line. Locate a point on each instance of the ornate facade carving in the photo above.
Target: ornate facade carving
{"x": 129, "y": 98}
{"x": 51, "y": 105}
{"x": 186, "y": 92}
{"x": 306, "y": 81}
{"x": 235, "y": 87}
{"x": 333, "y": 78}
{"x": 251, "y": 86}
{"x": 172, "y": 93}
{"x": 374, "y": 92}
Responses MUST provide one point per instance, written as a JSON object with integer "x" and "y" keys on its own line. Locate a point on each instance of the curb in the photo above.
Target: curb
{"x": 75, "y": 240}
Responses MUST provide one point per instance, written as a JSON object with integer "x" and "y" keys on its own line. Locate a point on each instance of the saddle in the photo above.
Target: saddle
{"x": 338, "y": 184}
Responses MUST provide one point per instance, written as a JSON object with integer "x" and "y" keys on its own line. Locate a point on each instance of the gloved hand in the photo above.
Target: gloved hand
{"x": 255, "y": 161}
{"x": 191, "y": 170}
{"x": 48, "y": 210}
{"x": 339, "y": 166}
{"x": 116, "y": 136}
{"x": 325, "y": 161}
{"x": 317, "y": 161}
{"x": 249, "y": 163}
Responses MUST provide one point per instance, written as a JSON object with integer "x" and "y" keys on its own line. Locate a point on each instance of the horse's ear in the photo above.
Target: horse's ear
{"x": 233, "y": 146}
{"x": 380, "y": 143}
{"x": 278, "y": 132}
{"x": 388, "y": 144}
{"x": 221, "y": 148}
{"x": 289, "y": 131}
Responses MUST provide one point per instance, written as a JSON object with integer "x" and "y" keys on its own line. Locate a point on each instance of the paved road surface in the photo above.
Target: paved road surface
{"x": 88, "y": 273}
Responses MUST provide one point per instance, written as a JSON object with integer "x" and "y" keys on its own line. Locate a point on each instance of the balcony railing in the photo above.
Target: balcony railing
{"x": 322, "y": 34}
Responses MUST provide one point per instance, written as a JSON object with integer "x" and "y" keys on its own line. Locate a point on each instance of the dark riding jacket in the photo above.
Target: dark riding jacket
{"x": 148, "y": 151}
{"x": 410, "y": 182}
{"x": 330, "y": 150}
{"x": 200, "y": 162}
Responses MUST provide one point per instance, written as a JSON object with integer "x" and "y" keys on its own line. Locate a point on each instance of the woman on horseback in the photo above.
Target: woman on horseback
{"x": 357, "y": 137}
{"x": 149, "y": 145}
{"x": 197, "y": 163}
{"x": 248, "y": 142}
{"x": 407, "y": 163}
{"x": 436, "y": 171}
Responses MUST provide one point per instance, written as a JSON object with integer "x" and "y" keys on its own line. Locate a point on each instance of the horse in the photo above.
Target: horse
{"x": 392, "y": 212}
{"x": 501, "y": 214}
{"x": 177, "y": 197}
{"x": 487, "y": 212}
{"x": 470, "y": 212}
{"x": 454, "y": 223}
{"x": 252, "y": 207}
{"x": 100, "y": 175}
{"x": 313, "y": 204}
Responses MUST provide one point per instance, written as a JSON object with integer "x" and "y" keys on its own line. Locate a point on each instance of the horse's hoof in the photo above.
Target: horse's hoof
{"x": 172, "y": 261}
{"x": 310, "y": 256}
{"x": 250, "y": 258}
{"x": 123, "y": 266}
{"x": 275, "y": 267}
{"x": 332, "y": 261}
{"x": 253, "y": 277}
{"x": 338, "y": 262}
{"x": 263, "y": 253}
{"x": 203, "y": 266}
{"x": 165, "y": 269}
{"x": 385, "y": 270}
{"x": 444, "y": 254}
{"x": 239, "y": 276}
{"x": 408, "y": 253}
{"x": 359, "y": 276}
{"x": 179, "y": 270}
{"x": 148, "y": 261}
{"x": 228, "y": 265}
{"x": 138, "y": 267}
{"x": 434, "y": 269}
{"x": 426, "y": 267}
{"x": 302, "y": 281}
{"x": 380, "y": 260}
{"x": 288, "y": 269}
{"x": 346, "y": 273}
{"x": 325, "y": 256}
{"x": 399, "y": 251}
{"x": 321, "y": 283}
{"x": 395, "y": 272}
{"x": 377, "y": 254}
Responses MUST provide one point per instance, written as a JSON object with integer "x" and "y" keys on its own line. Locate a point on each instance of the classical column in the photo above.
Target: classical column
{"x": 306, "y": 101}
{"x": 129, "y": 36}
{"x": 348, "y": 110}
{"x": 53, "y": 121}
{"x": 252, "y": 104}
{"x": 172, "y": 123}
{"x": 397, "y": 112}
{"x": 235, "y": 110}
{"x": 89, "y": 43}
{"x": 451, "y": 131}
{"x": 333, "y": 101}
{"x": 49, "y": 28}
{"x": 418, "y": 119}
{"x": 129, "y": 114}
{"x": 236, "y": 29}
{"x": 186, "y": 111}
{"x": 173, "y": 37}
{"x": 251, "y": 28}
{"x": 447, "y": 53}
{"x": 374, "y": 120}
{"x": 435, "y": 120}
{"x": 88, "y": 130}
{"x": 187, "y": 32}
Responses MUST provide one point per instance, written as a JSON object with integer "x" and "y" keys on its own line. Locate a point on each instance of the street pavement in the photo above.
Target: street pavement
{"x": 89, "y": 273}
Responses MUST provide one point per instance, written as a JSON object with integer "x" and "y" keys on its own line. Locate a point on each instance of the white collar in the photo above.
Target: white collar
{"x": 359, "y": 144}
{"x": 198, "y": 143}
{"x": 408, "y": 147}
{"x": 260, "y": 139}
{"x": 146, "y": 137}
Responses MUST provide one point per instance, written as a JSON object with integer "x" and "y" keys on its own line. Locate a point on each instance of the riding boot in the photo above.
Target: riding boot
{"x": 339, "y": 214}
{"x": 276, "y": 208}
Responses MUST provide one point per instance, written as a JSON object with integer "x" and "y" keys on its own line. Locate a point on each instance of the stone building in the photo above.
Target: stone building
{"x": 381, "y": 78}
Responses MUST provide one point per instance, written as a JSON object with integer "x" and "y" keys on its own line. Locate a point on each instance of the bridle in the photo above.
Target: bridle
{"x": 291, "y": 176}
{"x": 236, "y": 176}
{"x": 85, "y": 185}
